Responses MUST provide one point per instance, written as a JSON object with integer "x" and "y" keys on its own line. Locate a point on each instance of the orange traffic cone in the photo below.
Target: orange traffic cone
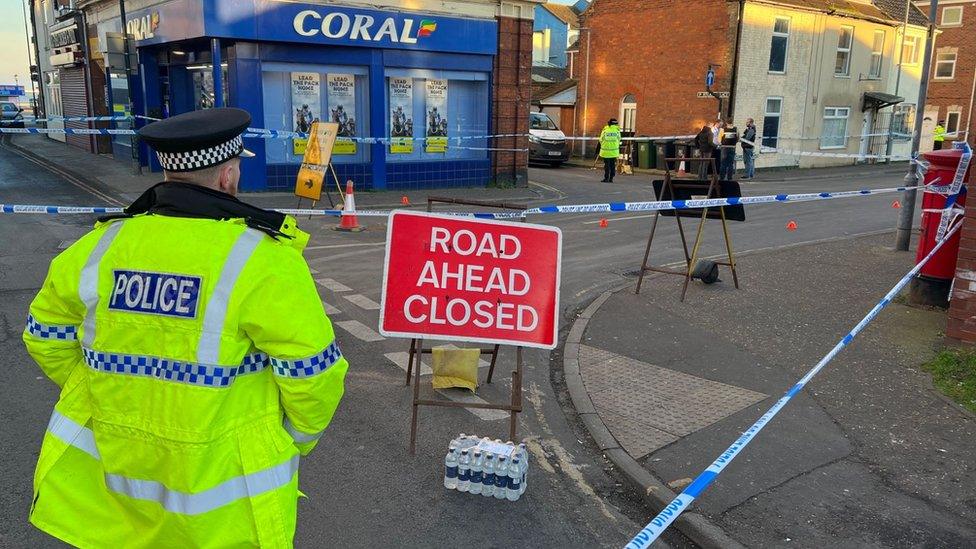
{"x": 404, "y": 200}
{"x": 604, "y": 224}
{"x": 896, "y": 204}
{"x": 349, "y": 222}
{"x": 791, "y": 226}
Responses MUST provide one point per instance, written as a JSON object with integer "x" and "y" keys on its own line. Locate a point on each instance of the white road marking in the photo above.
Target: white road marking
{"x": 401, "y": 358}
{"x": 333, "y": 285}
{"x": 313, "y": 270}
{"x": 359, "y": 330}
{"x": 363, "y": 301}
{"x": 331, "y": 309}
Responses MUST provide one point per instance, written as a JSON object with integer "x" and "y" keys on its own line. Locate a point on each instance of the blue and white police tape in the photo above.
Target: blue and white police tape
{"x": 955, "y": 187}
{"x": 660, "y": 523}
{"x": 609, "y": 207}
{"x": 70, "y": 131}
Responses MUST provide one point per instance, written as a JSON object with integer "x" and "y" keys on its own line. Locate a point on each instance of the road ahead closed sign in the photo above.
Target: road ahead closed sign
{"x": 462, "y": 279}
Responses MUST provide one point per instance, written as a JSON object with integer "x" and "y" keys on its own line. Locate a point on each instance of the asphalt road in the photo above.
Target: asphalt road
{"x": 363, "y": 488}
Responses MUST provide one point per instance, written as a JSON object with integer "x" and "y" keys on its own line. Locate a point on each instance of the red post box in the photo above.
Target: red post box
{"x": 931, "y": 287}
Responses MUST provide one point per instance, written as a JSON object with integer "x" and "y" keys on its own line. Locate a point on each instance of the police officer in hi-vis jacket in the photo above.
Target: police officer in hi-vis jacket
{"x": 195, "y": 361}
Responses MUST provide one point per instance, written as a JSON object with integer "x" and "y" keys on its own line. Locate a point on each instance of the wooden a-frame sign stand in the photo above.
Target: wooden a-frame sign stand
{"x": 669, "y": 189}
{"x": 417, "y": 351}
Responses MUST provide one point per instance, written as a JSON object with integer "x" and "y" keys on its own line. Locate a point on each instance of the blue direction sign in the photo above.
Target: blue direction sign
{"x": 709, "y": 78}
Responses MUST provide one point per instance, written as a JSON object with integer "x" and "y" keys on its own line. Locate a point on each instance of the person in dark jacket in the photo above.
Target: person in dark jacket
{"x": 729, "y": 139}
{"x": 704, "y": 143}
{"x": 748, "y": 140}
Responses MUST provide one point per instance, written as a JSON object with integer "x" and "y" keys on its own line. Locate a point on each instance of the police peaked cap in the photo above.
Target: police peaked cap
{"x": 198, "y": 139}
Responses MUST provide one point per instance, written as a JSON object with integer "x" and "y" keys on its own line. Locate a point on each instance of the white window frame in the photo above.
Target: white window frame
{"x": 916, "y": 41}
{"x": 835, "y": 115}
{"x": 628, "y": 113}
{"x": 951, "y": 9}
{"x": 877, "y": 52}
{"x": 953, "y": 132}
{"x": 786, "y": 53}
{"x": 779, "y": 121}
{"x": 936, "y": 62}
{"x": 848, "y": 50}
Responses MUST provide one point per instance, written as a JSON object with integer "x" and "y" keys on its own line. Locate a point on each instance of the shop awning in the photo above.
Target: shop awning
{"x": 879, "y": 100}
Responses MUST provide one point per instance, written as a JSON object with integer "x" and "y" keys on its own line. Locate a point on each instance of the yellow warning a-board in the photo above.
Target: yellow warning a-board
{"x": 318, "y": 153}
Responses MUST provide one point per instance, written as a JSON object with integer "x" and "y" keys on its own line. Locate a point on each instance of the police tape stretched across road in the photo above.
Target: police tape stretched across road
{"x": 608, "y": 207}
{"x": 670, "y": 513}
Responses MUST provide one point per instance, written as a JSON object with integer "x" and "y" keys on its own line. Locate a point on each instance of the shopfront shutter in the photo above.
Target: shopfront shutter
{"x": 74, "y": 100}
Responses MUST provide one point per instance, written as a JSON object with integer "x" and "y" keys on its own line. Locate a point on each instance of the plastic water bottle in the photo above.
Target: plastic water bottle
{"x": 514, "y": 489}
{"x": 489, "y": 475}
{"x": 464, "y": 472}
{"x": 451, "y": 469}
{"x": 477, "y": 473}
{"x": 501, "y": 477}
{"x": 524, "y": 458}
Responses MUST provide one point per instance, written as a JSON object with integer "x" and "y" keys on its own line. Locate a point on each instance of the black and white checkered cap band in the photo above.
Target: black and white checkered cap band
{"x": 202, "y": 158}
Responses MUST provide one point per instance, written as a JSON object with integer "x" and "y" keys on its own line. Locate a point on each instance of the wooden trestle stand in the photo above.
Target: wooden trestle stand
{"x": 688, "y": 189}
{"x": 417, "y": 351}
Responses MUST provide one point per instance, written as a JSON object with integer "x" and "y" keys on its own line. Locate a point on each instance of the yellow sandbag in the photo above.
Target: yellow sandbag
{"x": 455, "y": 368}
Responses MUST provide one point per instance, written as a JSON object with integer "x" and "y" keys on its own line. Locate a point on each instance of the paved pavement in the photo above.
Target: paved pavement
{"x": 363, "y": 489}
{"x": 869, "y": 455}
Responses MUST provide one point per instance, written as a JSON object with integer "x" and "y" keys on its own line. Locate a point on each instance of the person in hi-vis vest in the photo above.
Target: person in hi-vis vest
{"x": 610, "y": 149}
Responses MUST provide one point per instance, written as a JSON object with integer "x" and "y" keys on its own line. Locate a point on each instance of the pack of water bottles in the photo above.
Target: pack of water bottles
{"x": 491, "y": 468}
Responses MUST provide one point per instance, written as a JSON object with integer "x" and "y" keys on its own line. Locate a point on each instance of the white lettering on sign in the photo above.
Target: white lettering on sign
{"x": 142, "y": 28}
{"x": 338, "y": 25}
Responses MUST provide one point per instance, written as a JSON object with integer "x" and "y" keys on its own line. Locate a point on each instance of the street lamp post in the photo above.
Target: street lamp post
{"x": 903, "y": 235}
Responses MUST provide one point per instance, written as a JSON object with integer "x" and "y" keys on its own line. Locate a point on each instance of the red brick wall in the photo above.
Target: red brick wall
{"x": 511, "y": 96}
{"x": 961, "y": 324}
{"x": 958, "y": 91}
{"x": 659, "y": 51}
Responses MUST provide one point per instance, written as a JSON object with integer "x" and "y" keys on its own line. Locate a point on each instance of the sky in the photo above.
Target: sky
{"x": 13, "y": 43}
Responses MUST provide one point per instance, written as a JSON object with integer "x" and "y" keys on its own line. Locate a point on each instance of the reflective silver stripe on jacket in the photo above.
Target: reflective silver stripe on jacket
{"x": 208, "y": 350}
{"x": 175, "y": 501}
{"x": 88, "y": 284}
{"x": 224, "y": 493}
{"x": 72, "y": 433}
{"x": 299, "y": 436}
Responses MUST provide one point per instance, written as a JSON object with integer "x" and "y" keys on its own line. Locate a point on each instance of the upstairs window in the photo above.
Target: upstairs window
{"x": 779, "y": 45}
{"x": 877, "y": 54}
{"x": 910, "y": 49}
{"x": 945, "y": 65}
{"x": 842, "y": 67}
{"x": 951, "y": 16}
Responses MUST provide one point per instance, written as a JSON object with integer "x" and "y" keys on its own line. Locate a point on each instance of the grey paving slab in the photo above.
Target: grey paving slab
{"x": 649, "y": 406}
{"x": 636, "y": 437}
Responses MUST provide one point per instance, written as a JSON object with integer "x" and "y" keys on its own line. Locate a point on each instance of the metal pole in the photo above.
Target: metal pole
{"x": 903, "y": 236}
{"x": 133, "y": 142}
{"x": 889, "y": 140}
{"x": 218, "y": 75}
{"x": 586, "y": 92}
{"x": 27, "y": 35}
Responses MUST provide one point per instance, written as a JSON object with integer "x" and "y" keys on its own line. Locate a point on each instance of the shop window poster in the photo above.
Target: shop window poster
{"x": 436, "y": 122}
{"x": 401, "y": 115}
{"x": 306, "y": 102}
{"x": 342, "y": 110}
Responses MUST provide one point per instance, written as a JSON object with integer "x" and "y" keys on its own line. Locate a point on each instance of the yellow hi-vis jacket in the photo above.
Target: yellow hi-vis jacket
{"x": 196, "y": 364}
{"x": 610, "y": 142}
{"x": 939, "y": 134}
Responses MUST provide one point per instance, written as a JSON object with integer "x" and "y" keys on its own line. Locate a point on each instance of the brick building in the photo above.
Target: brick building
{"x": 816, "y": 75}
{"x": 427, "y": 71}
{"x": 952, "y": 84}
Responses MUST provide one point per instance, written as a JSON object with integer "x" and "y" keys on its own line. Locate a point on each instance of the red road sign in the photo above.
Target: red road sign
{"x": 463, "y": 279}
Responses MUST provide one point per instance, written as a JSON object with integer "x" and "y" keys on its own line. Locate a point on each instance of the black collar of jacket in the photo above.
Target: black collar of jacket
{"x": 177, "y": 199}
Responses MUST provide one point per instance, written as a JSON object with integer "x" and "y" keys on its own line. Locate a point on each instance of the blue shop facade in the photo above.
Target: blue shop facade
{"x": 377, "y": 73}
